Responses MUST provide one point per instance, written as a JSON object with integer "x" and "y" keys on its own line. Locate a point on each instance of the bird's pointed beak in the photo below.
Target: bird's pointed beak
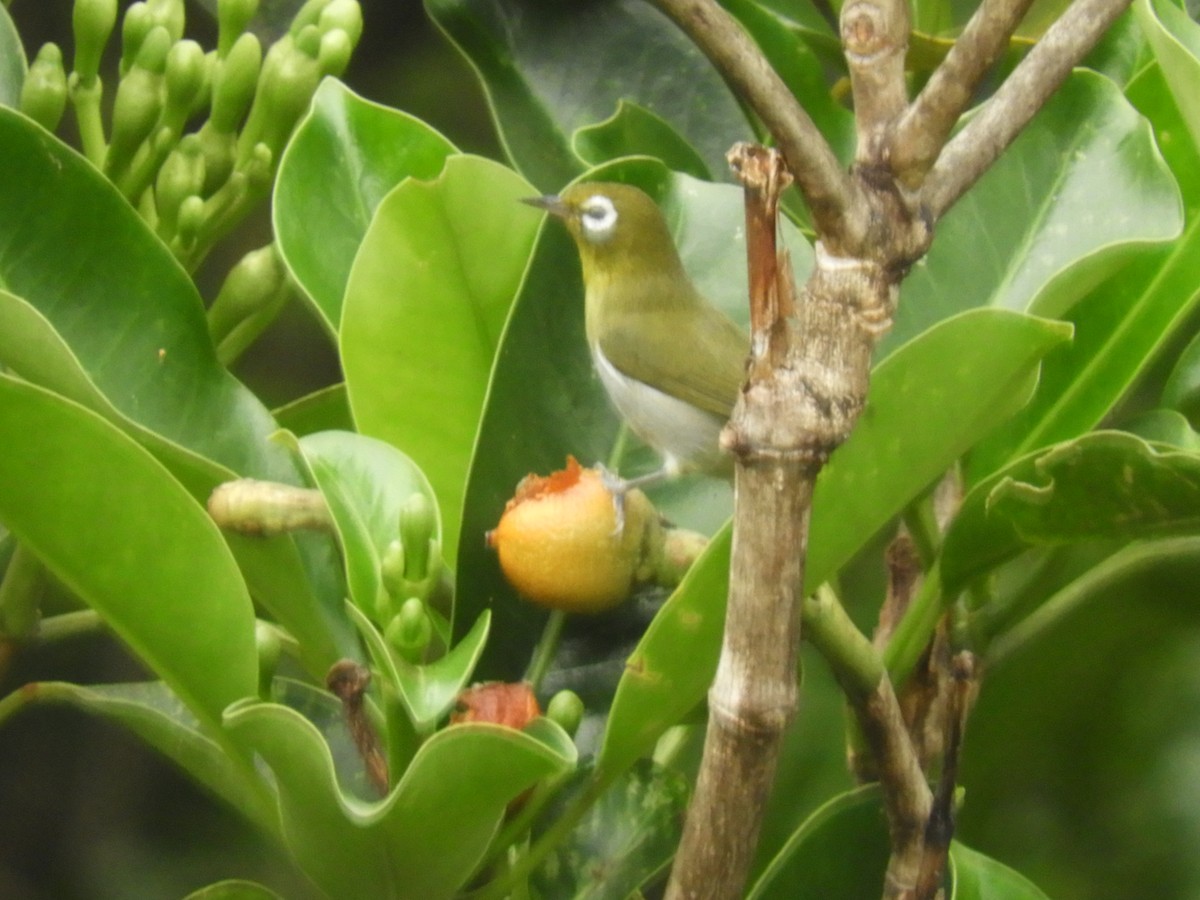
{"x": 551, "y": 203}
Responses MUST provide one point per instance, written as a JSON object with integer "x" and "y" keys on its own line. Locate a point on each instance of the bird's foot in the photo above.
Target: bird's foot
{"x": 618, "y": 487}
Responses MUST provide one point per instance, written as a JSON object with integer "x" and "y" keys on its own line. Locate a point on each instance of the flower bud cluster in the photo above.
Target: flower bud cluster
{"x": 415, "y": 583}
{"x": 194, "y": 137}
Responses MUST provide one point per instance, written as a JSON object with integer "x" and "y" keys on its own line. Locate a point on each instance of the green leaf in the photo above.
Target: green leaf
{"x": 626, "y": 837}
{"x": 344, "y": 157}
{"x": 428, "y": 691}
{"x": 635, "y": 131}
{"x": 1029, "y": 235}
{"x": 12, "y": 62}
{"x": 234, "y": 889}
{"x": 152, "y": 712}
{"x": 660, "y": 685}
{"x": 960, "y": 380}
{"x": 841, "y": 850}
{"x": 978, "y": 877}
{"x": 366, "y": 483}
{"x": 122, "y": 304}
{"x": 1104, "y": 485}
{"x": 1165, "y": 426}
{"x": 423, "y": 840}
{"x": 554, "y": 68}
{"x": 425, "y": 307}
{"x": 1123, "y": 323}
{"x": 288, "y": 583}
{"x": 527, "y": 430}
{"x": 327, "y": 409}
{"x": 1175, "y": 39}
{"x": 109, "y": 521}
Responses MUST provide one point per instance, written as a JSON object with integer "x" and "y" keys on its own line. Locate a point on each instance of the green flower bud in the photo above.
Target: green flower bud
{"x": 249, "y": 299}
{"x": 44, "y": 94}
{"x": 566, "y": 709}
{"x": 191, "y": 219}
{"x": 391, "y": 570}
{"x": 219, "y": 149}
{"x": 181, "y": 176}
{"x": 138, "y": 22}
{"x": 410, "y": 631}
{"x": 266, "y": 639}
{"x": 342, "y": 15}
{"x": 92, "y": 22}
{"x": 289, "y": 78}
{"x": 170, "y": 14}
{"x": 232, "y": 18}
{"x": 234, "y": 83}
{"x": 418, "y": 525}
{"x": 335, "y": 51}
{"x": 139, "y": 100}
{"x": 308, "y": 14}
{"x": 185, "y": 76}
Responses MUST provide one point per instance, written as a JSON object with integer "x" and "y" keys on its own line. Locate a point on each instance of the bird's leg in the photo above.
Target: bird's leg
{"x": 619, "y": 487}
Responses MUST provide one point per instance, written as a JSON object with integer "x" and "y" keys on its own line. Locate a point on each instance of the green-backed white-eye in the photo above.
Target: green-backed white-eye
{"x": 671, "y": 362}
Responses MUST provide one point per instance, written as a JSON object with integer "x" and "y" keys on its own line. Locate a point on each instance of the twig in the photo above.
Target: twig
{"x": 861, "y": 674}
{"x": 1024, "y": 92}
{"x": 922, "y": 131}
{"x": 827, "y": 189}
{"x": 875, "y": 38}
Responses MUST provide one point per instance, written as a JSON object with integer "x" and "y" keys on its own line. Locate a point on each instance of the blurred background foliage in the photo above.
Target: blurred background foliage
{"x": 1082, "y": 760}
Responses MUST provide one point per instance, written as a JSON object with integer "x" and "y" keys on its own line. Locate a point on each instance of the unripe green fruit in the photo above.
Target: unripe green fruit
{"x": 567, "y": 710}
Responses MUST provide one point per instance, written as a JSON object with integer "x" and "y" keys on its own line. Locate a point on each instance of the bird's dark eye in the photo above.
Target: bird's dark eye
{"x": 598, "y": 218}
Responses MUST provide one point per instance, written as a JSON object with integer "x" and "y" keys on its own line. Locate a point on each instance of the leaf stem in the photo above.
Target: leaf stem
{"x": 547, "y": 647}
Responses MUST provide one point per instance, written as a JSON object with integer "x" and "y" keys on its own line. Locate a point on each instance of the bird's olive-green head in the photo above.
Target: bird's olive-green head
{"x": 618, "y": 229}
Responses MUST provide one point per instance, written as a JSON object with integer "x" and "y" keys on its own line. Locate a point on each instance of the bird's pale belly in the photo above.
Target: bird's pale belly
{"x": 685, "y": 435}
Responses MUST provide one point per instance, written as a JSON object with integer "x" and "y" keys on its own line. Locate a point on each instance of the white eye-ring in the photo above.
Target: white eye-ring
{"x": 598, "y": 218}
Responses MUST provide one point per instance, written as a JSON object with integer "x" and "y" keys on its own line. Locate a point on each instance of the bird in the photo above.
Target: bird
{"x": 670, "y": 361}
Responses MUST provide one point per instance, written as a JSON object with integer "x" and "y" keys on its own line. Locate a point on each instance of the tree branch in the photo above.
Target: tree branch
{"x": 827, "y": 189}
{"x": 922, "y": 131}
{"x": 1001, "y": 119}
{"x": 875, "y": 38}
{"x": 863, "y": 678}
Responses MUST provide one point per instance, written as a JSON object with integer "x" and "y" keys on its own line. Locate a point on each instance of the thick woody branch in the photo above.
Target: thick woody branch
{"x": 1025, "y": 91}
{"x": 827, "y": 189}
{"x": 923, "y": 130}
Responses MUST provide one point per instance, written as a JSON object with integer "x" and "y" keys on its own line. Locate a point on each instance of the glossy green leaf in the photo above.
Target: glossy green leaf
{"x": 1165, "y": 426}
{"x": 525, "y": 430}
{"x": 841, "y": 850}
{"x": 1182, "y": 390}
{"x": 551, "y": 70}
{"x": 110, "y": 522}
{"x": 661, "y": 685}
{"x": 1175, "y": 39}
{"x": 122, "y": 303}
{"x": 234, "y": 889}
{"x": 978, "y": 877}
{"x": 1123, "y": 323}
{"x": 428, "y": 691}
{"x": 152, "y": 712}
{"x": 1030, "y": 235}
{"x": 626, "y": 837}
{"x": 423, "y": 840}
{"x": 327, "y": 409}
{"x": 366, "y": 483}
{"x": 12, "y": 62}
{"x": 425, "y": 307}
{"x": 1106, "y": 484}
{"x": 635, "y": 131}
{"x": 959, "y": 380}
{"x": 344, "y": 157}
{"x": 286, "y": 582}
